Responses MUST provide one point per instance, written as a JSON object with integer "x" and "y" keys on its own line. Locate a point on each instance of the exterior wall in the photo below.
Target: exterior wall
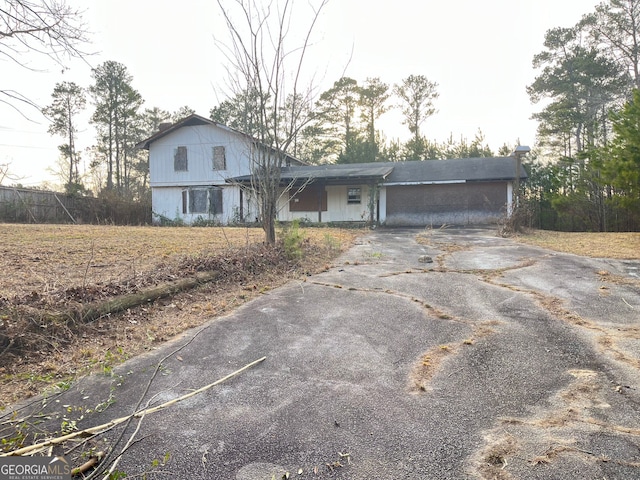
{"x": 167, "y": 204}
{"x": 453, "y": 204}
{"x": 167, "y": 184}
{"x": 199, "y": 141}
{"x": 338, "y": 210}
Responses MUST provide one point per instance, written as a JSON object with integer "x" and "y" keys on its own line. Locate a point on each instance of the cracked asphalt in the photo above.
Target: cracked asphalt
{"x": 495, "y": 360}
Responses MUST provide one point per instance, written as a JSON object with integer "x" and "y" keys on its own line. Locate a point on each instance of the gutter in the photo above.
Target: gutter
{"x": 427, "y": 182}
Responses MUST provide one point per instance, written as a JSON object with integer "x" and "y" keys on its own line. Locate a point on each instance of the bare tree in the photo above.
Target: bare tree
{"x": 261, "y": 62}
{"x": 615, "y": 26}
{"x": 5, "y": 173}
{"x": 48, "y": 28}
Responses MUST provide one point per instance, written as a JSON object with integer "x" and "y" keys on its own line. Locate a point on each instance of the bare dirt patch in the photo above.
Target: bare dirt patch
{"x": 51, "y": 271}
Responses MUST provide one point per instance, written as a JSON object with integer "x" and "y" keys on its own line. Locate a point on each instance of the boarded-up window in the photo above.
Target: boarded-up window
{"x": 311, "y": 199}
{"x": 219, "y": 158}
{"x": 180, "y": 159}
{"x": 215, "y": 201}
{"x": 198, "y": 200}
{"x": 202, "y": 200}
{"x": 354, "y": 195}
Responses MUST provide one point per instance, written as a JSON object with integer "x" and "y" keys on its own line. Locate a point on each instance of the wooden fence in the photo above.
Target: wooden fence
{"x": 21, "y": 205}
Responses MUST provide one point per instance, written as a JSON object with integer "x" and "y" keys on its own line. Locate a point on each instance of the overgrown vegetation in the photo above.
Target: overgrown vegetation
{"x": 293, "y": 241}
{"x": 77, "y": 298}
{"x": 584, "y": 173}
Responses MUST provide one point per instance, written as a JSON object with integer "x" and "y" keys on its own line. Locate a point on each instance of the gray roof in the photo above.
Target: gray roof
{"x": 332, "y": 173}
{"x": 413, "y": 172}
{"x": 455, "y": 170}
{"x": 349, "y": 171}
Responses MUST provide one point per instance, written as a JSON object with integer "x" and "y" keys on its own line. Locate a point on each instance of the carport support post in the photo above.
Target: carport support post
{"x": 373, "y": 202}
{"x": 519, "y": 152}
{"x": 320, "y": 195}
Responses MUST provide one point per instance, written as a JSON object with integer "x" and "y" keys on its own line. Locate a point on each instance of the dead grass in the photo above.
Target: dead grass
{"x": 49, "y": 267}
{"x": 430, "y": 363}
{"x": 598, "y": 245}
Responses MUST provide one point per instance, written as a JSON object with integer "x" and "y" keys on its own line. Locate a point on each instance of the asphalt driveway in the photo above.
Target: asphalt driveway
{"x": 422, "y": 354}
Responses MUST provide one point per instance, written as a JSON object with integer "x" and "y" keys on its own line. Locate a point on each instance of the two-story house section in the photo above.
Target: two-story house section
{"x": 190, "y": 163}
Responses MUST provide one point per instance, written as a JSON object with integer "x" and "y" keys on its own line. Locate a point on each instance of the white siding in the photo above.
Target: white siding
{"x": 167, "y": 204}
{"x": 199, "y": 141}
{"x": 338, "y": 210}
{"x": 167, "y": 184}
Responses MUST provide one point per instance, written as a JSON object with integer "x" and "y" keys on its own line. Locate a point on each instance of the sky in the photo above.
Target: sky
{"x": 478, "y": 52}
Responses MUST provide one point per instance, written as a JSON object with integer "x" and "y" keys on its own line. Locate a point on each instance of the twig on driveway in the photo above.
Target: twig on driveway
{"x": 630, "y": 306}
{"x": 100, "y": 428}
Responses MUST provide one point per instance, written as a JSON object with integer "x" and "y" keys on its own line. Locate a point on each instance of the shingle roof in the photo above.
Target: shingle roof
{"x": 331, "y": 173}
{"x": 337, "y": 172}
{"x": 452, "y": 170}
{"x": 189, "y": 121}
{"x": 414, "y": 172}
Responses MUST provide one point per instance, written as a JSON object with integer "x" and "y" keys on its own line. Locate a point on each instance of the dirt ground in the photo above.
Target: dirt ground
{"x": 59, "y": 268}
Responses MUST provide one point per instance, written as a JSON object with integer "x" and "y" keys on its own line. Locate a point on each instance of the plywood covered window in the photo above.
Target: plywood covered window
{"x": 215, "y": 201}
{"x": 354, "y": 195}
{"x": 219, "y": 158}
{"x": 202, "y": 200}
{"x": 311, "y": 199}
{"x": 180, "y": 159}
{"x": 198, "y": 200}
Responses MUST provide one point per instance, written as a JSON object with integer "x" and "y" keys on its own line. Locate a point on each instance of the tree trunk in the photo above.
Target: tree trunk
{"x": 93, "y": 311}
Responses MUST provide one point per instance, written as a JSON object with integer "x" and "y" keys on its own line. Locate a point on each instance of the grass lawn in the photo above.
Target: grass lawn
{"x": 56, "y": 269}
{"x": 599, "y": 245}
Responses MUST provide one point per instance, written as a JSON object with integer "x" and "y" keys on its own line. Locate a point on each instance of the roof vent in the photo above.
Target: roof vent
{"x": 163, "y": 126}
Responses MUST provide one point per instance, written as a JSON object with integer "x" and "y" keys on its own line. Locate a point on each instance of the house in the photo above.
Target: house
{"x": 190, "y": 163}
{"x": 201, "y": 169}
{"x": 465, "y": 191}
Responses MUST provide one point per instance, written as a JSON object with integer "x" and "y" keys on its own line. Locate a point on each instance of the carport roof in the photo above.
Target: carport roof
{"x": 457, "y": 170}
{"x": 333, "y": 174}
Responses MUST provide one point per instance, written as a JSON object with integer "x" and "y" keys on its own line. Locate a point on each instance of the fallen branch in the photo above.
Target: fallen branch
{"x": 93, "y": 311}
{"x": 630, "y": 306}
{"x": 88, "y": 465}
{"x": 106, "y": 460}
{"x": 30, "y": 450}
